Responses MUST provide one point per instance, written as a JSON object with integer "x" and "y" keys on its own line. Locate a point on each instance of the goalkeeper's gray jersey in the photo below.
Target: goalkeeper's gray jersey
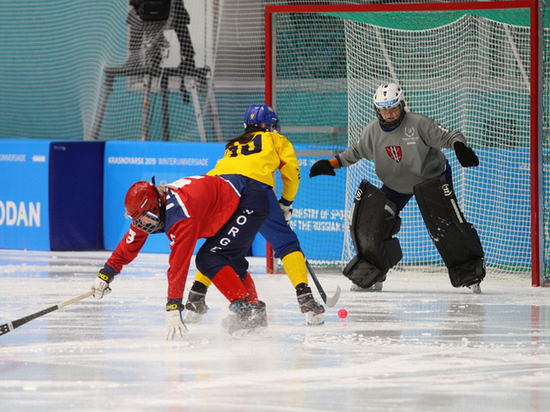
{"x": 406, "y": 155}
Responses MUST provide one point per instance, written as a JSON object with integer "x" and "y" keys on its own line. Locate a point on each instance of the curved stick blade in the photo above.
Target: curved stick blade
{"x": 331, "y": 302}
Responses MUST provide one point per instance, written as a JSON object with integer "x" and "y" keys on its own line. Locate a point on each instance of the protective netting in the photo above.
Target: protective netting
{"x": 103, "y": 70}
{"x": 469, "y": 71}
{"x": 311, "y": 95}
{"x": 471, "y": 75}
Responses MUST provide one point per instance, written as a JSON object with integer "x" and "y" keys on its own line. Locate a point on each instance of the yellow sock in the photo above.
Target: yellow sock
{"x": 295, "y": 267}
{"x": 202, "y": 279}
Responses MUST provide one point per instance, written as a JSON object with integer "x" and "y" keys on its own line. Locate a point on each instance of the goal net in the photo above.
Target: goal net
{"x": 469, "y": 66}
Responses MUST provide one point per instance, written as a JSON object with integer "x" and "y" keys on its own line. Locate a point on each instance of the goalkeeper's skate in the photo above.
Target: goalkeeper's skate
{"x": 377, "y": 287}
{"x": 196, "y": 304}
{"x": 247, "y": 318}
{"x": 309, "y": 306}
{"x": 475, "y": 287}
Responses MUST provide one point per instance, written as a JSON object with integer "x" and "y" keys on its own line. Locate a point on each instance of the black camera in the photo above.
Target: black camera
{"x": 152, "y": 10}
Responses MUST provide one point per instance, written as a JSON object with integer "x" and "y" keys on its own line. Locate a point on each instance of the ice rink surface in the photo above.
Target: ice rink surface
{"x": 420, "y": 345}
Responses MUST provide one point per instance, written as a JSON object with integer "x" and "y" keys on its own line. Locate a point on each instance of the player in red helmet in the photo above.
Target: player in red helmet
{"x": 227, "y": 210}
{"x": 143, "y": 204}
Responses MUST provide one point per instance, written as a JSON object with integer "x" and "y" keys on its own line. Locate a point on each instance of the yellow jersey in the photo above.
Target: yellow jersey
{"x": 260, "y": 158}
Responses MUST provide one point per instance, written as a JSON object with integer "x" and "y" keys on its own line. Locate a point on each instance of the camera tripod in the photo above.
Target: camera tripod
{"x": 147, "y": 66}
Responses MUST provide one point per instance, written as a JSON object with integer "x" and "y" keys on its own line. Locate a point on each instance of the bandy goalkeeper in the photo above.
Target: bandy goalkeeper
{"x": 406, "y": 150}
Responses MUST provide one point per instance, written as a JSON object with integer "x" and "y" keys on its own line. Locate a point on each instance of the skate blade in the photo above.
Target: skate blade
{"x": 313, "y": 319}
{"x": 377, "y": 287}
{"x": 192, "y": 317}
{"x": 476, "y": 288}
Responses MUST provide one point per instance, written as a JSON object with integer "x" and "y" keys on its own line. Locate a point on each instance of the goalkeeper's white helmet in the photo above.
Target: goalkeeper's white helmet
{"x": 387, "y": 96}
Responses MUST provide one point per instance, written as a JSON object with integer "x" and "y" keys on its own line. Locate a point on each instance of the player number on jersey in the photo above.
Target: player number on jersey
{"x": 245, "y": 148}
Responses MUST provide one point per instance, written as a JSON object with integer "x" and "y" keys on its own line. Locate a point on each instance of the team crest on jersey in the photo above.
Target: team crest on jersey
{"x": 394, "y": 152}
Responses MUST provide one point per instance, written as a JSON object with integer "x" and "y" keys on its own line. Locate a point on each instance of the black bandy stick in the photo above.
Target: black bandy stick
{"x": 8, "y": 327}
{"x": 330, "y": 302}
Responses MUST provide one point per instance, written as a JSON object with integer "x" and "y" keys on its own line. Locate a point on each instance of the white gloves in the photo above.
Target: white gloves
{"x": 287, "y": 211}
{"x": 101, "y": 284}
{"x": 174, "y": 323}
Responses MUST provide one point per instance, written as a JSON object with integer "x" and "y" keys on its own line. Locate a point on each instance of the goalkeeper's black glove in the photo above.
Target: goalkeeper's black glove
{"x": 465, "y": 155}
{"x": 322, "y": 167}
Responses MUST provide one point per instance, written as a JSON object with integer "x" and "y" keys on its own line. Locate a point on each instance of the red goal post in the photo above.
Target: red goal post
{"x": 534, "y": 7}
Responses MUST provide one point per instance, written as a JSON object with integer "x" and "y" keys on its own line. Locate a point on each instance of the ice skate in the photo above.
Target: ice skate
{"x": 309, "y": 306}
{"x": 192, "y": 317}
{"x": 377, "y": 287}
{"x": 248, "y": 318}
{"x": 196, "y": 304}
{"x": 475, "y": 287}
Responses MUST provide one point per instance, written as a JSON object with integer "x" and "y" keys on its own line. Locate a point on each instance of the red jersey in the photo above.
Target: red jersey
{"x": 196, "y": 207}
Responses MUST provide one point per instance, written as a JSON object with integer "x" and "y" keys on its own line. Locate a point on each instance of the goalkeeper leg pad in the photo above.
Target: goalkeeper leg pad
{"x": 374, "y": 221}
{"x": 365, "y": 274}
{"x": 362, "y": 273}
{"x": 456, "y": 239}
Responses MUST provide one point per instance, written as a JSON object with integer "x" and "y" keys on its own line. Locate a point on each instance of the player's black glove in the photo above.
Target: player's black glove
{"x": 322, "y": 167}
{"x": 465, "y": 155}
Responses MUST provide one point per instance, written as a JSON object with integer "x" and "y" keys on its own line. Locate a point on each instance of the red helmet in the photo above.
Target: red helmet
{"x": 144, "y": 204}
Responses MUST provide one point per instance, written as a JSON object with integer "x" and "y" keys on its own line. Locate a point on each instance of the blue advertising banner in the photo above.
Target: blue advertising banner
{"x": 24, "y": 210}
{"x": 318, "y": 209}
{"x": 28, "y": 210}
{"x": 127, "y": 162}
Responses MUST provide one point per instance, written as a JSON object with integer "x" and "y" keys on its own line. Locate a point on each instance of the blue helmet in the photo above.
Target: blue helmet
{"x": 262, "y": 116}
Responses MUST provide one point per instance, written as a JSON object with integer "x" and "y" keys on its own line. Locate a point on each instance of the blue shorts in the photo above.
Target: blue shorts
{"x": 231, "y": 243}
{"x": 276, "y": 230}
